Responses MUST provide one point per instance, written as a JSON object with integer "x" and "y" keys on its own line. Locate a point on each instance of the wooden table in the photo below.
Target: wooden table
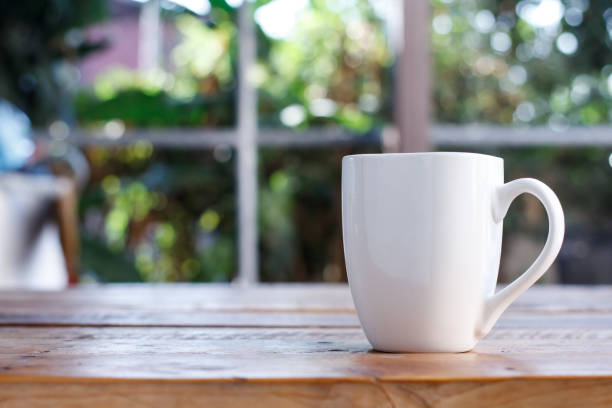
{"x": 299, "y": 345}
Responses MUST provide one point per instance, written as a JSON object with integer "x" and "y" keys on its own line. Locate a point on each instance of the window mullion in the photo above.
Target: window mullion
{"x": 246, "y": 145}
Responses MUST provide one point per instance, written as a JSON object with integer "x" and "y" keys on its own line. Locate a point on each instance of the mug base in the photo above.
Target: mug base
{"x": 422, "y": 351}
{"x": 415, "y": 350}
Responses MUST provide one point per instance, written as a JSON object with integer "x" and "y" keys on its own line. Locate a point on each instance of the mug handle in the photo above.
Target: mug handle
{"x": 502, "y": 198}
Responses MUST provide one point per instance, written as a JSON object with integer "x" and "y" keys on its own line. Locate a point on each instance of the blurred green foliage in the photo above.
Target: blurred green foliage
{"x": 300, "y": 213}
{"x": 516, "y": 62}
{"x": 158, "y": 215}
{"x": 169, "y": 215}
{"x": 195, "y": 90}
{"x": 495, "y": 61}
{"x": 162, "y": 219}
{"x": 333, "y": 68}
{"x": 349, "y": 83}
{"x": 136, "y": 108}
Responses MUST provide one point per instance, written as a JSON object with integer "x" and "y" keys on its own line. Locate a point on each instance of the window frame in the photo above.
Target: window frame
{"x": 412, "y": 130}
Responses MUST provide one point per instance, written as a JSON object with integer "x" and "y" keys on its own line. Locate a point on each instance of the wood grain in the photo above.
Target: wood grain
{"x": 289, "y": 354}
{"x": 187, "y": 297}
{"x": 295, "y": 305}
{"x": 288, "y": 345}
{"x": 326, "y": 298}
{"x": 557, "y": 393}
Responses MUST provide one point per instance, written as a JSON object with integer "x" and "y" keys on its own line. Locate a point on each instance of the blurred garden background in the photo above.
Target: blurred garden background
{"x": 162, "y": 209}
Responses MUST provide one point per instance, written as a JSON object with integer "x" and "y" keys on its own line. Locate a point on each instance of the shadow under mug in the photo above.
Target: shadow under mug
{"x": 422, "y": 240}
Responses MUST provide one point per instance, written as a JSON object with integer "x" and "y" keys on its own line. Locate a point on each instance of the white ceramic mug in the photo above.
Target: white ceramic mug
{"x": 422, "y": 241}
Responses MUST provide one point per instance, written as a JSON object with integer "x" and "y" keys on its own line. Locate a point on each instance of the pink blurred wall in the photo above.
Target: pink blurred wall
{"x": 122, "y": 33}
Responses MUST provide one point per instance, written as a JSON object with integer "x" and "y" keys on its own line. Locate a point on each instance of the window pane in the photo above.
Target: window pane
{"x": 175, "y": 71}
{"x": 300, "y": 233}
{"x": 543, "y": 63}
{"x": 322, "y": 62}
{"x": 158, "y": 215}
{"x": 151, "y": 213}
{"x": 528, "y": 62}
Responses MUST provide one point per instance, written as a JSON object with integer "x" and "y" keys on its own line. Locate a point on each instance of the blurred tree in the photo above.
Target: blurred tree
{"x": 300, "y": 213}
{"x": 159, "y": 215}
{"x": 156, "y": 215}
{"x": 331, "y": 65}
{"x": 39, "y": 43}
{"x": 538, "y": 62}
{"x": 333, "y": 68}
{"x": 196, "y": 88}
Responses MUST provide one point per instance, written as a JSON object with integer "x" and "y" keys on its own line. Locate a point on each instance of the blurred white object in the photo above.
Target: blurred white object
{"x": 31, "y": 254}
{"x": 16, "y": 147}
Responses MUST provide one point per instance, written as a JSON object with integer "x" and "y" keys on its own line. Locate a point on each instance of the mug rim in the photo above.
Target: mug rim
{"x": 420, "y": 154}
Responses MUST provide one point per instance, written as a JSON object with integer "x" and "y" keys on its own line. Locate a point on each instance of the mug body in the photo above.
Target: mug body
{"x": 422, "y": 248}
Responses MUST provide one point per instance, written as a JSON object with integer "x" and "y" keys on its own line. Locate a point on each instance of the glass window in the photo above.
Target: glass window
{"x": 543, "y": 67}
{"x": 183, "y": 73}
{"x": 300, "y": 219}
{"x": 158, "y": 95}
{"x": 323, "y": 67}
{"x": 156, "y": 215}
{"x": 530, "y": 62}
{"x": 161, "y": 208}
{"x": 323, "y": 63}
